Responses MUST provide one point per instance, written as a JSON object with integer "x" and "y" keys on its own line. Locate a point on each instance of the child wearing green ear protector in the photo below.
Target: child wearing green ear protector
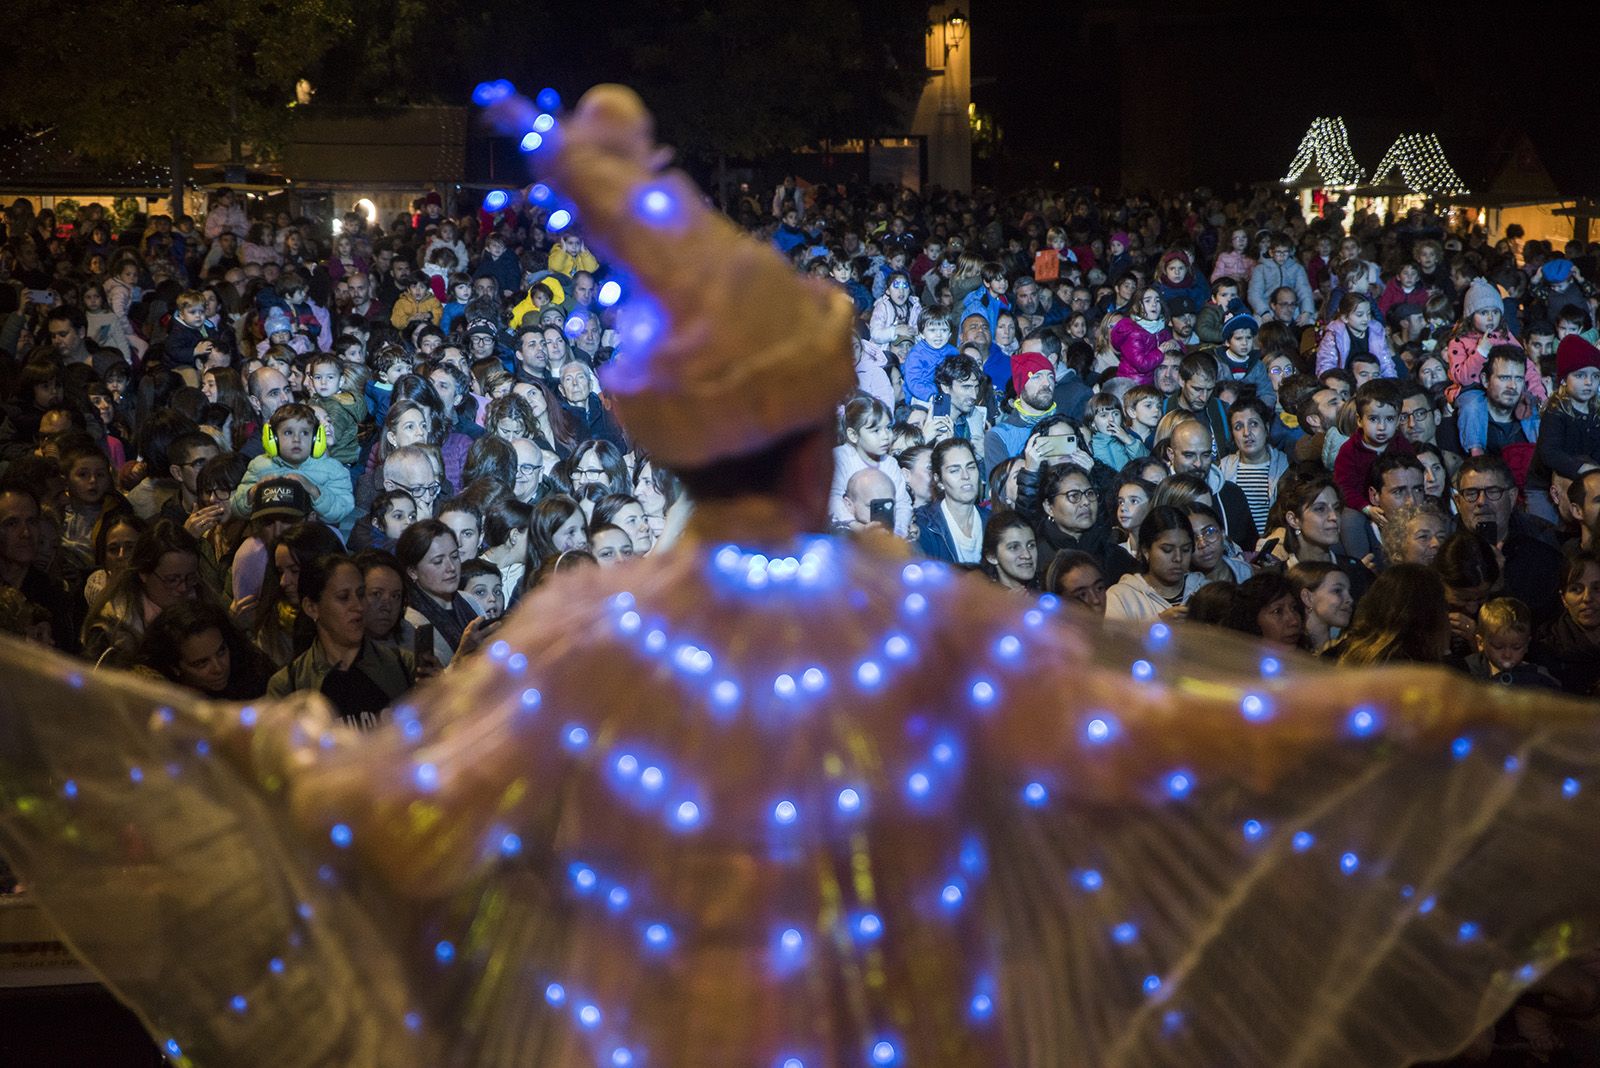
{"x": 296, "y": 447}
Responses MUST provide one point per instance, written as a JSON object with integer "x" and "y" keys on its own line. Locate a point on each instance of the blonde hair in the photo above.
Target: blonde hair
{"x": 1503, "y": 614}
{"x": 190, "y": 299}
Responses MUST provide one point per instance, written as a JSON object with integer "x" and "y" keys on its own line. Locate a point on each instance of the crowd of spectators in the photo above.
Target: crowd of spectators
{"x": 254, "y": 456}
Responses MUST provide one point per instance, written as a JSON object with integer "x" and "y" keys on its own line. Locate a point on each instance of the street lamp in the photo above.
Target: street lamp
{"x": 955, "y": 26}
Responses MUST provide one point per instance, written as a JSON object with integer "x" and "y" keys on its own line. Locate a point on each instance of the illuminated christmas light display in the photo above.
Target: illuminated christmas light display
{"x": 1326, "y": 147}
{"x": 1422, "y": 165}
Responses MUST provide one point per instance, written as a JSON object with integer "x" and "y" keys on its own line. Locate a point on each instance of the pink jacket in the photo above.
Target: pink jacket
{"x": 1466, "y": 365}
{"x": 1138, "y": 350}
{"x": 1334, "y": 348}
{"x": 1235, "y": 265}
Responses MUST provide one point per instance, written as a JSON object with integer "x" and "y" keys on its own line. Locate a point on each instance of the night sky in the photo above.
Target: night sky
{"x": 1183, "y": 94}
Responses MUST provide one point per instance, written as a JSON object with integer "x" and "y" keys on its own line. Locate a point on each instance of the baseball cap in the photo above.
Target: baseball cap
{"x": 284, "y": 497}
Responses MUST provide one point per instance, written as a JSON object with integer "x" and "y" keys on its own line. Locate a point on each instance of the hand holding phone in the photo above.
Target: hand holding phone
{"x": 881, "y": 511}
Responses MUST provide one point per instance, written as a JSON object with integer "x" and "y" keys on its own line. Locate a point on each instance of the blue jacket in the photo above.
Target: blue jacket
{"x": 1007, "y": 437}
{"x": 506, "y": 271}
{"x": 933, "y": 533}
{"x": 921, "y": 362}
{"x": 981, "y": 302}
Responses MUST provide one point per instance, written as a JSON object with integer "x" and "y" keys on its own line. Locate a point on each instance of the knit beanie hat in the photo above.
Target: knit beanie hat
{"x": 1026, "y": 364}
{"x": 1121, "y": 238}
{"x": 1558, "y": 270}
{"x": 1574, "y": 354}
{"x": 1239, "y": 321}
{"x": 278, "y": 322}
{"x": 1480, "y": 296}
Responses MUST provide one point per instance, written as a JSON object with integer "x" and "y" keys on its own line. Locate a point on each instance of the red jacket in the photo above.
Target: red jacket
{"x": 1355, "y": 459}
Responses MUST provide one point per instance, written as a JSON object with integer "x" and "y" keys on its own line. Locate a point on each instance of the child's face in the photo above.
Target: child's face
{"x": 1147, "y": 412}
{"x": 418, "y": 289}
{"x": 1582, "y": 384}
{"x": 462, "y": 291}
{"x": 1364, "y": 372}
{"x": 325, "y": 378}
{"x": 192, "y": 315}
{"x": 93, "y": 300}
{"x": 401, "y": 513}
{"x": 1486, "y": 320}
{"x": 395, "y": 371}
{"x": 1239, "y": 343}
{"x": 295, "y": 296}
{"x": 936, "y": 333}
{"x": 279, "y": 337}
{"x": 1377, "y": 424}
{"x": 485, "y": 591}
{"x": 89, "y": 481}
{"x": 1225, "y": 296}
{"x": 1565, "y": 327}
{"x": 1504, "y": 649}
{"x": 1107, "y": 420}
{"x": 1409, "y": 276}
{"x": 294, "y": 440}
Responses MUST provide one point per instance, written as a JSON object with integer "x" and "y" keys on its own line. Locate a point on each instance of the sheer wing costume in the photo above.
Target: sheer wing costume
{"x": 787, "y": 801}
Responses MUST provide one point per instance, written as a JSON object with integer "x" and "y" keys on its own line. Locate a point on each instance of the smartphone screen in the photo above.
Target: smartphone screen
{"x": 422, "y": 641}
{"x": 882, "y": 511}
{"x": 1485, "y": 531}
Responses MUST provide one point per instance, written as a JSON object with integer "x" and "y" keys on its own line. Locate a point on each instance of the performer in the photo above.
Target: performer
{"x": 783, "y": 800}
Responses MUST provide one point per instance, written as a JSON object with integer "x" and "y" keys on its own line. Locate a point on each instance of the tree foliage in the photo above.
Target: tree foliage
{"x": 128, "y": 79}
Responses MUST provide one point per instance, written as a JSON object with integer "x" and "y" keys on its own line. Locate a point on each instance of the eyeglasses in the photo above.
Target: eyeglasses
{"x": 528, "y": 470}
{"x": 1208, "y": 534}
{"x": 180, "y": 581}
{"x": 1416, "y": 415}
{"x": 590, "y": 474}
{"x": 426, "y": 492}
{"x": 1493, "y": 494}
{"x": 1078, "y": 496}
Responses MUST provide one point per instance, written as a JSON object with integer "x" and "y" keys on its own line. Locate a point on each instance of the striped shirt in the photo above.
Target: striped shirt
{"x": 1255, "y": 481}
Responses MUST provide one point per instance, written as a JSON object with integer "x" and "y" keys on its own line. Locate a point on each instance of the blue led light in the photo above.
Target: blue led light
{"x": 1570, "y": 788}
{"x": 1100, "y": 729}
{"x": 1461, "y": 747}
{"x": 1090, "y": 880}
{"x": 1527, "y": 973}
{"x": 539, "y": 193}
{"x": 652, "y": 778}
{"x": 1255, "y": 707}
{"x": 657, "y": 204}
{"x": 1034, "y": 794}
{"x": 621, "y": 1057}
{"x": 657, "y": 935}
{"x": 981, "y": 1006}
{"x": 497, "y": 199}
{"x": 555, "y": 993}
{"x": 247, "y": 716}
{"x": 983, "y": 692}
{"x": 918, "y": 784}
{"x": 897, "y": 647}
{"x": 849, "y": 800}
{"x": 340, "y": 835}
{"x": 1159, "y": 633}
{"x": 1033, "y": 617}
{"x": 1270, "y": 667}
{"x": 444, "y": 952}
{"x": 868, "y": 673}
{"x": 952, "y": 895}
{"x": 238, "y": 1003}
{"x": 426, "y": 776}
{"x": 70, "y": 788}
{"x": 1007, "y": 647}
{"x": 548, "y": 100}
{"x": 1363, "y": 722}
{"x": 1152, "y": 983}
{"x": 531, "y": 141}
{"x": 1302, "y": 841}
{"x": 868, "y": 926}
{"x": 1467, "y": 931}
{"x": 791, "y": 940}
{"x": 1427, "y": 905}
{"x": 1143, "y": 670}
{"x": 814, "y": 680}
{"x": 531, "y": 698}
{"x": 583, "y": 877}
{"x": 911, "y": 574}
{"x": 1123, "y": 933}
{"x": 173, "y": 1048}
{"x": 202, "y": 747}
{"x": 1513, "y": 763}
{"x": 1348, "y": 863}
{"x": 486, "y": 93}
{"x": 500, "y": 650}
{"x": 136, "y": 774}
{"x": 687, "y": 814}
{"x": 627, "y": 765}
{"x": 725, "y": 693}
{"x": 275, "y": 965}
{"x": 559, "y": 220}
{"x": 544, "y": 123}
{"x": 576, "y": 738}
{"x": 618, "y": 898}
{"x": 589, "y": 1015}
{"x": 883, "y": 1052}
{"x": 1179, "y": 784}
{"x": 610, "y": 293}
{"x": 1253, "y": 830}
{"x": 914, "y": 604}
{"x": 510, "y": 845}
{"x": 575, "y": 325}
{"x": 784, "y": 813}
{"x": 791, "y": 1062}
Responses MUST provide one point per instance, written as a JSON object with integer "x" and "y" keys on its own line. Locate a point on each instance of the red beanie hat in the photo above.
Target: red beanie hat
{"x": 1024, "y": 364}
{"x": 1574, "y": 354}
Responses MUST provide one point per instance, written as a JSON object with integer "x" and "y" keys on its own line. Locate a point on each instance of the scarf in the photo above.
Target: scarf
{"x": 1032, "y": 415}
{"x": 450, "y": 621}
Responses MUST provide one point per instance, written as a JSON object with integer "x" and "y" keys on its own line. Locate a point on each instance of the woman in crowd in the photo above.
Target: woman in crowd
{"x": 195, "y": 644}
{"x": 1164, "y": 582}
{"x": 951, "y": 526}
{"x": 1402, "y": 619}
{"x": 1570, "y": 647}
{"x": 1010, "y": 553}
{"x": 1323, "y": 591}
{"x": 432, "y": 562}
{"x": 164, "y": 570}
{"x": 1266, "y": 606}
{"x": 385, "y": 581}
